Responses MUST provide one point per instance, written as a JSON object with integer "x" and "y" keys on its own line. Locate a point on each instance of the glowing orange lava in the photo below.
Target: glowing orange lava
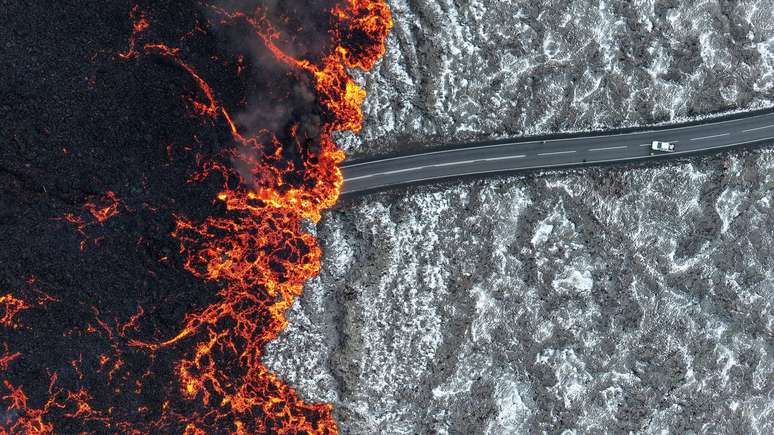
{"x": 254, "y": 247}
{"x": 259, "y": 250}
{"x": 100, "y": 210}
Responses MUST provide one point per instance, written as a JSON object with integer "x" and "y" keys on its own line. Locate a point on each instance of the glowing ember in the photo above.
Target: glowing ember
{"x": 12, "y": 306}
{"x": 99, "y": 210}
{"x": 252, "y": 246}
{"x": 139, "y": 24}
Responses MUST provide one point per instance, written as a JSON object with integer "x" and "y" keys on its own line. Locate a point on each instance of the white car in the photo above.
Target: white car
{"x": 662, "y": 146}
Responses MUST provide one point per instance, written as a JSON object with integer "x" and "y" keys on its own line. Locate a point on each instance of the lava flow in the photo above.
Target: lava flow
{"x": 252, "y": 246}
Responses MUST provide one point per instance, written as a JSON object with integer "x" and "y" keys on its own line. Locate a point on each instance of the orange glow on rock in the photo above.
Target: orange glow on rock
{"x": 105, "y": 208}
{"x": 11, "y": 307}
{"x": 252, "y": 248}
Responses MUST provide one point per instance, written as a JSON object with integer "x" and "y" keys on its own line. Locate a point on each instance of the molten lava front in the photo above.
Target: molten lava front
{"x": 269, "y": 174}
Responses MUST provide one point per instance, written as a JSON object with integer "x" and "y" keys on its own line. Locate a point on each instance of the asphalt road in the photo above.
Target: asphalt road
{"x": 529, "y": 154}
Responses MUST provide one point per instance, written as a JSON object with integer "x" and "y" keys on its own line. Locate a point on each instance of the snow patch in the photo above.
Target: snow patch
{"x": 727, "y": 206}
{"x": 574, "y": 279}
{"x": 542, "y": 233}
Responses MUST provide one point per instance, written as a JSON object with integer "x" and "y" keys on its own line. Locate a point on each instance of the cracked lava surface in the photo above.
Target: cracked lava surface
{"x": 135, "y": 310}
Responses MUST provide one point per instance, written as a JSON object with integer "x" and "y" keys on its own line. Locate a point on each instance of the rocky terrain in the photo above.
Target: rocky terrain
{"x": 600, "y": 299}
{"x": 468, "y": 70}
{"x": 605, "y": 299}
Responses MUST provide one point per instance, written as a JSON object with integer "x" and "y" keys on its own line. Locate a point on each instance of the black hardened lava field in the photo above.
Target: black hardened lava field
{"x": 157, "y": 161}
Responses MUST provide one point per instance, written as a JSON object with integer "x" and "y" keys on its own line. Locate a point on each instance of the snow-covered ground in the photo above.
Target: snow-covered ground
{"x": 606, "y": 299}
{"x": 467, "y": 70}
{"x": 638, "y": 299}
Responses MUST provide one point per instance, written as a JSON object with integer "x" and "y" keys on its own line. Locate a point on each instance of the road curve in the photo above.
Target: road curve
{"x": 555, "y": 152}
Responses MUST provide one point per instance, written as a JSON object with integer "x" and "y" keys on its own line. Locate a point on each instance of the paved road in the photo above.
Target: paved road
{"x": 527, "y": 154}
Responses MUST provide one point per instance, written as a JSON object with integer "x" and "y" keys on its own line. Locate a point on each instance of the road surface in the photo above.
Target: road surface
{"x": 530, "y": 154}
